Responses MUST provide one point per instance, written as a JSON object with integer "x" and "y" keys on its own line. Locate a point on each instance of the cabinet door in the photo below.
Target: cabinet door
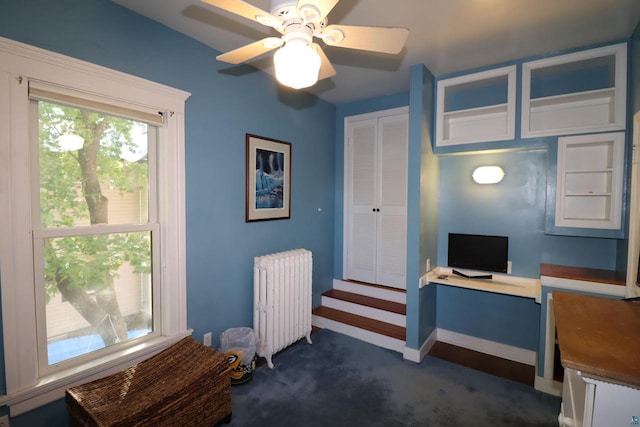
{"x": 376, "y": 189}
{"x": 362, "y": 195}
{"x": 392, "y": 217}
{"x": 615, "y": 405}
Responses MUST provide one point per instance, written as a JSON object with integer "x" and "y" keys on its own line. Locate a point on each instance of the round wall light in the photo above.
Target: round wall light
{"x": 488, "y": 174}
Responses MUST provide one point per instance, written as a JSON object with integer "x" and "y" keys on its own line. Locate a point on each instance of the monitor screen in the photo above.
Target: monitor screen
{"x": 477, "y": 252}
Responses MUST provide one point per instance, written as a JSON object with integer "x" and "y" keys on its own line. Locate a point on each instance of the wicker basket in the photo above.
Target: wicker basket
{"x": 187, "y": 384}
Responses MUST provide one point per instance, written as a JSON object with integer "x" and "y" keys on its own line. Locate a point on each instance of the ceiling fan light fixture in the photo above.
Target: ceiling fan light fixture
{"x": 269, "y": 21}
{"x": 297, "y": 63}
{"x": 309, "y": 13}
{"x": 333, "y": 36}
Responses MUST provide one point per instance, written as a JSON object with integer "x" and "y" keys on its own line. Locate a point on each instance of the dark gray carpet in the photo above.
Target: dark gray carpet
{"x": 341, "y": 381}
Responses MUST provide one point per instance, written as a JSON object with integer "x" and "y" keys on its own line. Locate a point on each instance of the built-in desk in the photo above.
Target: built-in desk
{"x": 579, "y": 279}
{"x": 499, "y": 283}
{"x": 497, "y": 316}
{"x": 599, "y": 342}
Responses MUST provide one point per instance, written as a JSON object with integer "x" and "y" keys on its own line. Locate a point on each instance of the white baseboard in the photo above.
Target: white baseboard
{"x": 413, "y": 355}
{"x": 516, "y": 354}
{"x": 548, "y": 386}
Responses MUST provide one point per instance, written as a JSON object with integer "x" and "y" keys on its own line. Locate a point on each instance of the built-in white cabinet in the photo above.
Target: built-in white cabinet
{"x": 376, "y": 157}
{"x": 575, "y": 93}
{"x": 477, "y": 107}
{"x": 590, "y": 180}
{"x": 588, "y": 402}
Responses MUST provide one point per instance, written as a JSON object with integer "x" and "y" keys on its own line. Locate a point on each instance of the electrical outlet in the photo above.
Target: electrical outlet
{"x": 206, "y": 340}
{"x": 4, "y": 421}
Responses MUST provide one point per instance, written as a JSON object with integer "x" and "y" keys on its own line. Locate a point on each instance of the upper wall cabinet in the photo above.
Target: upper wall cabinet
{"x": 477, "y": 107}
{"x": 576, "y": 93}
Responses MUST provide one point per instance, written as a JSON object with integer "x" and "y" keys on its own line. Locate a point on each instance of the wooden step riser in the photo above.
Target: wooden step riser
{"x": 358, "y": 333}
{"x": 362, "y": 310}
{"x": 370, "y": 291}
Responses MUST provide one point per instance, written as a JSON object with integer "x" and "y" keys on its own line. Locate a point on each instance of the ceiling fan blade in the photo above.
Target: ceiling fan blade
{"x": 250, "y": 51}
{"x": 322, "y": 6}
{"x": 326, "y": 69}
{"x": 375, "y": 39}
{"x": 246, "y": 10}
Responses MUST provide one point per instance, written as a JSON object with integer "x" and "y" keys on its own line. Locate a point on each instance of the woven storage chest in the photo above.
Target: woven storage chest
{"x": 187, "y": 384}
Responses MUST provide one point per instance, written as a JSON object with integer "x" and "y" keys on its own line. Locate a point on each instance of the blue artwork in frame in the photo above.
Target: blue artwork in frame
{"x": 268, "y": 193}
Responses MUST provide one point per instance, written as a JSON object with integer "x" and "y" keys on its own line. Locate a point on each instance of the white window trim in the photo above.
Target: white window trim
{"x": 25, "y": 390}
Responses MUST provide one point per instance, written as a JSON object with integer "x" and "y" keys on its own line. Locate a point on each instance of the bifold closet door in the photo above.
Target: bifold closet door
{"x": 377, "y": 200}
{"x": 362, "y": 193}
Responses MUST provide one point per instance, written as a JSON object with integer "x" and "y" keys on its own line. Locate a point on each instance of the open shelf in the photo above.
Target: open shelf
{"x": 478, "y": 107}
{"x": 573, "y": 112}
{"x": 575, "y": 93}
{"x": 589, "y": 181}
{"x": 480, "y": 123}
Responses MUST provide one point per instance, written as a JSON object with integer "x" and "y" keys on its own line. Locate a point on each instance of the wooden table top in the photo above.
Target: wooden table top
{"x": 599, "y": 336}
{"x": 585, "y": 274}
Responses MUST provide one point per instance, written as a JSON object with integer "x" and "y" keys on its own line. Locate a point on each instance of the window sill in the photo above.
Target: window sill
{"x": 53, "y": 387}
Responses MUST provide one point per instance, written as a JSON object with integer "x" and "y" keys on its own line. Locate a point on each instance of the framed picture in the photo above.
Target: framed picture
{"x": 268, "y": 179}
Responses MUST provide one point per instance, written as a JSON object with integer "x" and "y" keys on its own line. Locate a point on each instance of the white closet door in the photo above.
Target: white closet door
{"x": 361, "y": 256}
{"x": 376, "y": 186}
{"x": 392, "y": 201}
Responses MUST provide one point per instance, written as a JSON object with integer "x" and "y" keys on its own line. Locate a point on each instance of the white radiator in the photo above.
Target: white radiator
{"x": 282, "y": 300}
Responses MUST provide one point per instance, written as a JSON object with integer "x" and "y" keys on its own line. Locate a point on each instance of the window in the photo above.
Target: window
{"x": 92, "y": 266}
{"x": 93, "y": 229}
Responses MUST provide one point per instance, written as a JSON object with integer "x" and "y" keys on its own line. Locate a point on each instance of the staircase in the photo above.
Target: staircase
{"x": 371, "y": 313}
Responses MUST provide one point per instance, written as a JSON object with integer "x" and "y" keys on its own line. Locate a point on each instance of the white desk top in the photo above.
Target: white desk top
{"x": 500, "y": 283}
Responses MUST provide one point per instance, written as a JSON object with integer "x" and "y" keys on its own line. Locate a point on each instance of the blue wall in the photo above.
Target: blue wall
{"x": 500, "y": 318}
{"x": 226, "y": 103}
{"x": 422, "y": 208}
{"x": 514, "y": 207}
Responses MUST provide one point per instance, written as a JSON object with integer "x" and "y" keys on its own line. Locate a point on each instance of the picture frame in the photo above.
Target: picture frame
{"x": 268, "y": 192}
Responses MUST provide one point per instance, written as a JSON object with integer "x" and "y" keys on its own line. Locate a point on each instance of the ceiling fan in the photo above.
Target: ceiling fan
{"x": 299, "y": 62}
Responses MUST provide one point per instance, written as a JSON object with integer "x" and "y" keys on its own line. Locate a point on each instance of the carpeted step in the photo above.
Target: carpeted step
{"x": 366, "y": 329}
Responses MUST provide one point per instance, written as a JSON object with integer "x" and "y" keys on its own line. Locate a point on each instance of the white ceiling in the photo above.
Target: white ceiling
{"x": 445, "y": 35}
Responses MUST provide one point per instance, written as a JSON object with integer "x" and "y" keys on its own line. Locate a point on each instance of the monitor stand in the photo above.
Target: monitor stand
{"x": 470, "y": 276}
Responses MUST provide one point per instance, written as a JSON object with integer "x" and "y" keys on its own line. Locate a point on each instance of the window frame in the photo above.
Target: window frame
{"x": 26, "y": 389}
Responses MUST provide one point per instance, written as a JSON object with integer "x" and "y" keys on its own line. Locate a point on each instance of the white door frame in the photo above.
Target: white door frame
{"x": 633, "y": 251}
